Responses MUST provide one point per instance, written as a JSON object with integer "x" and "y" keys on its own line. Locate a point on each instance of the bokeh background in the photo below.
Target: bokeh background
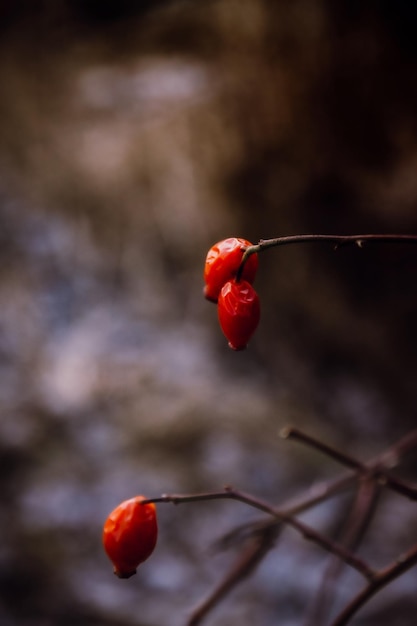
{"x": 133, "y": 135}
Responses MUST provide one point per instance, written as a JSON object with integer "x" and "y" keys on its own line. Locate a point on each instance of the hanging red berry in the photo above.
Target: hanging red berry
{"x": 129, "y": 535}
{"x": 239, "y": 312}
{"x": 222, "y": 263}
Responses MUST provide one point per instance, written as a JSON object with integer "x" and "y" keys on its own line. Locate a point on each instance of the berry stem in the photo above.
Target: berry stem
{"x": 283, "y": 516}
{"x": 338, "y": 240}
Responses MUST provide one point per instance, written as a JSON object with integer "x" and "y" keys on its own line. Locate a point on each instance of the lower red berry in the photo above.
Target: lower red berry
{"x": 129, "y": 535}
{"x": 239, "y": 312}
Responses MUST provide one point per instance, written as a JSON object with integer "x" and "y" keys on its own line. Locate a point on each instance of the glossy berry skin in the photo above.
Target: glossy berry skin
{"x": 222, "y": 263}
{"x": 239, "y": 312}
{"x": 129, "y": 535}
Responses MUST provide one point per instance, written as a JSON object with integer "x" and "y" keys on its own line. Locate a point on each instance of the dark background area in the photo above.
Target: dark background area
{"x": 133, "y": 135}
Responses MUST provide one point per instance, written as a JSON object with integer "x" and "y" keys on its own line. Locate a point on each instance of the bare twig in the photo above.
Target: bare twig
{"x": 380, "y": 580}
{"x": 260, "y": 535}
{"x": 289, "y": 432}
{"x": 338, "y": 240}
{"x": 257, "y": 547}
{"x": 391, "y": 457}
{"x": 318, "y": 493}
{"x": 375, "y": 467}
{"x": 323, "y": 490}
{"x": 357, "y": 523}
{"x": 307, "y": 532}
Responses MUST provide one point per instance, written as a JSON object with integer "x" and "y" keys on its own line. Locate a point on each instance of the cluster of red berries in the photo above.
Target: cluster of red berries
{"x": 237, "y": 301}
{"x": 129, "y": 535}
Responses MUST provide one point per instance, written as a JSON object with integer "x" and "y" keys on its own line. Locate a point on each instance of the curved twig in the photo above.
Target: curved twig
{"x": 307, "y": 532}
{"x": 256, "y": 548}
{"x": 338, "y": 240}
{"x": 358, "y": 519}
{"x": 380, "y": 580}
{"x": 376, "y": 467}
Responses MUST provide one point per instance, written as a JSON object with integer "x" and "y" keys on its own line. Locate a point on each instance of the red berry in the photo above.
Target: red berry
{"x": 239, "y": 312}
{"x": 222, "y": 263}
{"x": 129, "y": 535}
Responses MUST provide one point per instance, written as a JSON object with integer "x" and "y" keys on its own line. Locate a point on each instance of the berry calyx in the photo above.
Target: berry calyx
{"x": 129, "y": 535}
{"x": 239, "y": 312}
{"x": 222, "y": 263}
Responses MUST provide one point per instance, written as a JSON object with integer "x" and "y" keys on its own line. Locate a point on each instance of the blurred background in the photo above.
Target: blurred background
{"x": 133, "y": 135}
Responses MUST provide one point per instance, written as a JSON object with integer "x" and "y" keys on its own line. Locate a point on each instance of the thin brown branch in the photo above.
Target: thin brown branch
{"x": 361, "y": 515}
{"x": 326, "y": 489}
{"x": 391, "y": 457}
{"x": 307, "y": 532}
{"x": 317, "y": 494}
{"x": 355, "y": 527}
{"x": 257, "y": 547}
{"x": 295, "y": 434}
{"x": 261, "y": 534}
{"x": 338, "y": 240}
{"x": 375, "y": 467}
{"x": 381, "y": 579}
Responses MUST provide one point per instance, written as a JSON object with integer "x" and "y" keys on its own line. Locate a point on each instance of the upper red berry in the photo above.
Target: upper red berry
{"x": 239, "y": 312}
{"x": 129, "y": 535}
{"x": 222, "y": 263}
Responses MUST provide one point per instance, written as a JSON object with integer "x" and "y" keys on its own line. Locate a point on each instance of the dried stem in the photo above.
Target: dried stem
{"x": 358, "y": 520}
{"x": 380, "y": 580}
{"x": 257, "y": 547}
{"x": 261, "y": 535}
{"x": 376, "y": 467}
{"x": 298, "y": 435}
{"x": 338, "y": 240}
{"x": 324, "y": 490}
{"x": 307, "y": 532}
{"x": 316, "y": 494}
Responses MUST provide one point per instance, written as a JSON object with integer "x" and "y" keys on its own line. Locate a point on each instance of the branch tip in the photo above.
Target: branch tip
{"x": 285, "y": 433}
